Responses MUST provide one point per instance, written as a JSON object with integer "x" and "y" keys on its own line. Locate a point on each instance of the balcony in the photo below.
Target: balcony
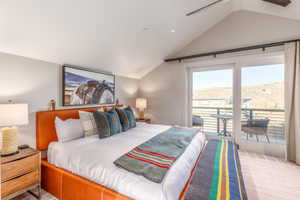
{"x": 274, "y": 129}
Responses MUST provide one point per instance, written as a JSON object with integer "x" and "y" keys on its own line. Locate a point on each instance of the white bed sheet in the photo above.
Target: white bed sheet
{"x": 93, "y": 159}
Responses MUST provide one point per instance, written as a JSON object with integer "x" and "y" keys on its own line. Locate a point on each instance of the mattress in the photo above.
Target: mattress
{"x": 93, "y": 158}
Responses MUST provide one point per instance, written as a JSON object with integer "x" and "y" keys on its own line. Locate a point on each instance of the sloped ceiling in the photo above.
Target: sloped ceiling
{"x": 292, "y": 11}
{"x": 127, "y": 37}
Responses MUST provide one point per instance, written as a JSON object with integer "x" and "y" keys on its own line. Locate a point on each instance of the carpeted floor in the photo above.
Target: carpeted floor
{"x": 266, "y": 178}
{"x": 269, "y": 178}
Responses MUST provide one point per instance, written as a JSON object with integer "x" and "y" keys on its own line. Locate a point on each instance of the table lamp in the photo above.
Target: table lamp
{"x": 141, "y": 105}
{"x": 12, "y": 115}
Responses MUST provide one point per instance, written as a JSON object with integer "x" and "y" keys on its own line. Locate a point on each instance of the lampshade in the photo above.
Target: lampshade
{"x": 13, "y": 114}
{"x": 141, "y": 103}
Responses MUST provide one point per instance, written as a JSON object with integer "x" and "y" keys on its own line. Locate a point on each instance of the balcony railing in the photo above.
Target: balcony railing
{"x": 213, "y": 125}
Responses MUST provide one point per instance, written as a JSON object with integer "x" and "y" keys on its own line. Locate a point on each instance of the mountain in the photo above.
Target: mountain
{"x": 265, "y": 96}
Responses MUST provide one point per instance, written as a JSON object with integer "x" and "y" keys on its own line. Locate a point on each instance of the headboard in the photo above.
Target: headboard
{"x": 45, "y": 126}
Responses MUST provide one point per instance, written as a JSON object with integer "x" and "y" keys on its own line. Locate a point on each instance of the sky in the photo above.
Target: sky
{"x": 92, "y": 75}
{"x": 250, "y": 76}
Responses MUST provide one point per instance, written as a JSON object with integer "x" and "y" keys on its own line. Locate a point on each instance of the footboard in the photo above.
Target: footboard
{"x": 67, "y": 186}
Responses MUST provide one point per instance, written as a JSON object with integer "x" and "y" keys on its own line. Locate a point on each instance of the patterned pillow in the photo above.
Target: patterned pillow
{"x": 88, "y": 123}
{"x": 130, "y": 116}
{"x": 127, "y": 118}
{"x": 108, "y": 123}
{"x": 123, "y": 119}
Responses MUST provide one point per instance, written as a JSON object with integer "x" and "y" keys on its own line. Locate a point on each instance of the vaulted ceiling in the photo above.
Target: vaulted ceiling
{"x": 127, "y": 37}
{"x": 292, "y": 11}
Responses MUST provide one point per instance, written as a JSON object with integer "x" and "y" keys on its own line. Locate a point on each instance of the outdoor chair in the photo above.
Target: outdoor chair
{"x": 198, "y": 121}
{"x": 256, "y": 127}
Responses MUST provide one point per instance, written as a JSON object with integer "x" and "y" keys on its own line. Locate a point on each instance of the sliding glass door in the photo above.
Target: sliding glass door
{"x": 262, "y": 103}
{"x": 212, "y": 100}
{"x": 243, "y": 100}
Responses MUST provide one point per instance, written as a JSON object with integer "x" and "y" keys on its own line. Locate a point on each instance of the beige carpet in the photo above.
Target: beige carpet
{"x": 269, "y": 178}
{"x": 266, "y": 178}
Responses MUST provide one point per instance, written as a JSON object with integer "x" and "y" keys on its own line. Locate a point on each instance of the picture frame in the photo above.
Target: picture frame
{"x": 81, "y": 86}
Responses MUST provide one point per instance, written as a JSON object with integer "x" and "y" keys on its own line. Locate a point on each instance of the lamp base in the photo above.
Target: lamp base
{"x": 142, "y": 114}
{"x": 9, "y": 154}
{"x": 9, "y": 141}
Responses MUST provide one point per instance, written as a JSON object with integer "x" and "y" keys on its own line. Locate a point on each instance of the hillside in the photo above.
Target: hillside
{"x": 267, "y": 96}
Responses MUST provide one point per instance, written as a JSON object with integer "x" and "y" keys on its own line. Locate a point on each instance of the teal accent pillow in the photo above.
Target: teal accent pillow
{"x": 126, "y": 117}
{"x": 123, "y": 119}
{"x": 108, "y": 123}
{"x": 130, "y": 116}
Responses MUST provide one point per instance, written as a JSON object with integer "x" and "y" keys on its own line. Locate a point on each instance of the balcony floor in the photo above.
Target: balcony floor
{"x": 262, "y": 139}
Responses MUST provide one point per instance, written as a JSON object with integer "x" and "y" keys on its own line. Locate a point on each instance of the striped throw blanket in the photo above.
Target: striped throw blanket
{"x": 153, "y": 158}
{"x": 218, "y": 175}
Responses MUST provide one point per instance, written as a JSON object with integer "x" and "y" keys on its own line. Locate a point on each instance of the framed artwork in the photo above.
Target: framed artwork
{"x": 85, "y": 87}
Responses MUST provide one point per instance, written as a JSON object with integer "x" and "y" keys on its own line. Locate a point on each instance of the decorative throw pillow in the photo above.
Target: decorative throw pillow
{"x": 130, "y": 116}
{"x": 108, "y": 123}
{"x": 126, "y": 117}
{"x": 68, "y": 130}
{"x": 88, "y": 123}
{"x": 123, "y": 119}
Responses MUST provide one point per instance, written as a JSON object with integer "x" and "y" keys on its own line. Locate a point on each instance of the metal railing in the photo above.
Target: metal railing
{"x": 214, "y": 125}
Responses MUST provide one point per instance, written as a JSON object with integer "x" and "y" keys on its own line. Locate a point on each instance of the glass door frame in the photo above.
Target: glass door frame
{"x": 236, "y": 64}
{"x": 235, "y": 89}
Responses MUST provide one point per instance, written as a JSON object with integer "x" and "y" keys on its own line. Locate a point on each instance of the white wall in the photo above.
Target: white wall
{"x": 166, "y": 86}
{"x": 35, "y": 82}
{"x": 165, "y": 89}
{"x": 244, "y": 28}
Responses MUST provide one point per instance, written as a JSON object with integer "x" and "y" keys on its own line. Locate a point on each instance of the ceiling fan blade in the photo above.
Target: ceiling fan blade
{"x": 202, "y": 8}
{"x": 283, "y": 3}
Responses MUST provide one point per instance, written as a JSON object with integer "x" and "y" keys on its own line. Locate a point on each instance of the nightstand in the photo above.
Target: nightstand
{"x": 146, "y": 120}
{"x": 20, "y": 173}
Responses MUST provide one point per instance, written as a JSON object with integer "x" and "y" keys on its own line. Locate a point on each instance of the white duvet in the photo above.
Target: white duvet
{"x": 93, "y": 159}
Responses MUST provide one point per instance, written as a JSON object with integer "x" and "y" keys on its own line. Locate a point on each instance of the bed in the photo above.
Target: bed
{"x": 84, "y": 169}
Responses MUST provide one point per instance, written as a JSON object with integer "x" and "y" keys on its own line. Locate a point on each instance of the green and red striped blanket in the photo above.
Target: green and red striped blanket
{"x": 153, "y": 158}
{"x": 218, "y": 175}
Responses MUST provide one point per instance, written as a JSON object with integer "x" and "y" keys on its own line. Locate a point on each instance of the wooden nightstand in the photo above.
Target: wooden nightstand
{"x": 146, "y": 120}
{"x": 20, "y": 173}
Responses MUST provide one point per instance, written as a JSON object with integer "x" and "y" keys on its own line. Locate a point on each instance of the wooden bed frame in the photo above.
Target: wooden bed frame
{"x": 64, "y": 184}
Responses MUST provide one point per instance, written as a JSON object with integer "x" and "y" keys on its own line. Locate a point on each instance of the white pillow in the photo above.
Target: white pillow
{"x": 88, "y": 123}
{"x": 68, "y": 130}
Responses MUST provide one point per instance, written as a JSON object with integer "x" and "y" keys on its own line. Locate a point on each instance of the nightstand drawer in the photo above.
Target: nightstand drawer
{"x": 20, "y": 183}
{"x": 19, "y": 167}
